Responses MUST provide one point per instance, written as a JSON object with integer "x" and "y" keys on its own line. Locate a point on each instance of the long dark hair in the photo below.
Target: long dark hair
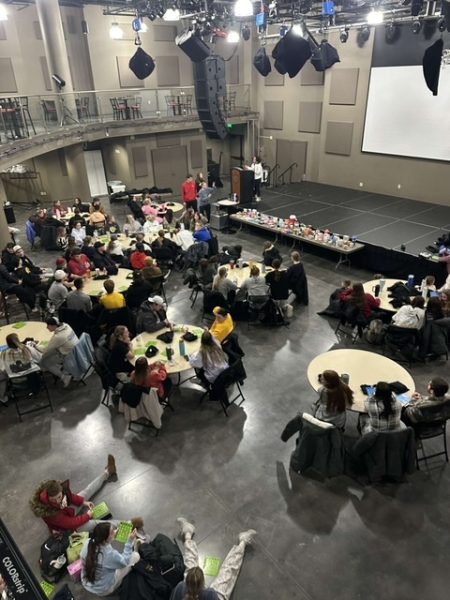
{"x": 140, "y": 370}
{"x": 339, "y": 395}
{"x": 195, "y": 583}
{"x": 276, "y": 264}
{"x": 99, "y": 536}
{"x": 118, "y": 332}
{"x": 383, "y": 392}
{"x": 434, "y": 309}
{"x": 358, "y": 296}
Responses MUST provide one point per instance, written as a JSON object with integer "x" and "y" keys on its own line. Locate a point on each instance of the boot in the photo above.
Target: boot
{"x": 111, "y": 469}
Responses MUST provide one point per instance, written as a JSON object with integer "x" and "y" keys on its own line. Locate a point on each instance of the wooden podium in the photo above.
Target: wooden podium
{"x": 242, "y": 184}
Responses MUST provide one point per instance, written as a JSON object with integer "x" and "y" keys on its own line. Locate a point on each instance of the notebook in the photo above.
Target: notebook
{"x": 19, "y": 325}
{"x": 123, "y": 533}
{"x": 211, "y": 566}
{"x": 100, "y": 511}
{"x": 47, "y": 588}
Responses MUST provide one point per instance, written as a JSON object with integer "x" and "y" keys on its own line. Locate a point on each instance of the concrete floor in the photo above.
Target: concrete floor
{"x": 334, "y": 540}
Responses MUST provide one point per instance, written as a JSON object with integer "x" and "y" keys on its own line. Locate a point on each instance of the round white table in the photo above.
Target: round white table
{"x": 174, "y": 206}
{"x": 93, "y": 287}
{"x": 369, "y": 288}
{"x": 239, "y": 275}
{"x": 178, "y": 362}
{"x": 362, "y": 367}
{"x": 24, "y": 329}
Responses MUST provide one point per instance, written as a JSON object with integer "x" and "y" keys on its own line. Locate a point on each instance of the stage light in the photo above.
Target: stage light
{"x": 441, "y": 24}
{"x": 115, "y": 32}
{"x": 232, "y": 37}
{"x": 363, "y": 36}
{"x": 343, "y": 36}
{"x": 171, "y": 14}
{"x": 161, "y": 12}
{"x": 3, "y": 13}
{"x": 243, "y": 8}
{"x": 416, "y": 26}
{"x": 392, "y": 33}
{"x": 151, "y": 16}
{"x": 298, "y": 29}
{"x": 246, "y": 33}
{"x": 375, "y": 17}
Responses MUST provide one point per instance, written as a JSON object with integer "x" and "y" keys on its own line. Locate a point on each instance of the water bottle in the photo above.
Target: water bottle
{"x": 410, "y": 281}
{"x": 382, "y": 284}
{"x": 263, "y": 268}
{"x": 181, "y": 347}
{"x": 376, "y": 290}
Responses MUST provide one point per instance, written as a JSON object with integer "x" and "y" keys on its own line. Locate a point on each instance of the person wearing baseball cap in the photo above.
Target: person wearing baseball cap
{"x": 152, "y": 315}
{"x": 58, "y": 292}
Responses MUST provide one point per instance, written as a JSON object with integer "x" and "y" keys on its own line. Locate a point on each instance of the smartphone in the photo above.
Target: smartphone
{"x": 319, "y": 377}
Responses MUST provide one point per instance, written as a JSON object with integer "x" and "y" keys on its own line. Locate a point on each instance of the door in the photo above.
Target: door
{"x": 289, "y": 152}
{"x": 170, "y": 167}
{"x": 95, "y": 172}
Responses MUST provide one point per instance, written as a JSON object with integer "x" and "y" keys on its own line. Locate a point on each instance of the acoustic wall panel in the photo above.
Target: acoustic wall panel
{"x": 139, "y": 158}
{"x": 196, "y": 149}
{"x": 339, "y": 138}
{"x": 37, "y": 30}
{"x": 274, "y": 78}
{"x": 7, "y": 77}
{"x": 167, "y": 71}
{"x": 45, "y": 73}
{"x": 164, "y": 33}
{"x": 71, "y": 24}
{"x": 3, "y": 35}
{"x": 344, "y": 85}
{"x": 309, "y": 76}
{"x": 127, "y": 78}
{"x": 273, "y": 114}
{"x": 310, "y": 117}
{"x": 62, "y": 162}
{"x": 167, "y": 139}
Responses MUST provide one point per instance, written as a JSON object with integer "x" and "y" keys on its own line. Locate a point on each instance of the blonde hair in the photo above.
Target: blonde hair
{"x": 221, "y": 274}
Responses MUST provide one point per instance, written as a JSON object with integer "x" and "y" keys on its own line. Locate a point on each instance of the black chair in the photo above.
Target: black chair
{"x": 256, "y": 306}
{"x": 352, "y": 323}
{"x": 131, "y": 395}
{"x": 109, "y": 382}
{"x": 80, "y": 322}
{"x": 211, "y": 299}
{"x": 198, "y": 287}
{"x": 29, "y": 388}
{"x": 157, "y": 284}
{"x": 400, "y": 343}
{"x": 218, "y": 391}
{"x": 428, "y": 431}
{"x": 6, "y": 309}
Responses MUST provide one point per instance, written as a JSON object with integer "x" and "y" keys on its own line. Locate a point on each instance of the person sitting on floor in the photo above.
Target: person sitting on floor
{"x": 298, "y": 284}
{"x": 224, "y": 285}
{"x": 193, "y": 587}
{"x": 411, "y": 315}
{"x": 210, "y": 358}
{"x": 121, "y": 353}
{"x": 103, "y": 567}
{"x": 78, "y": 232}
{"x": 58, "y": 292}
{"x": 79, "y": 265}
{"x": 223, "y": 324}
{"x": 383, "y": 409}
{"x": 103, "y": 261}
{"x": 152, "y": 315}
{"x": 153, "y": 375}
{"x": 270, "y": 253}
{"x": 62, "y": 342}
{"x": 77, "y": 299}
{"x": 334, "y": 398}
{"x": 434, "y": 407}
{"x": 138, "y": 257}
{"x": 111, "y": 300}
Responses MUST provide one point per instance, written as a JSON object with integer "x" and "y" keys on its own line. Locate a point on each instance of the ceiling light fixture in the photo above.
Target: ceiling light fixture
{"x": 171, "y": 14}
{"x": 115, "y": 32}
{"x": 243, "y": 8}
{"x": 233, "y": 37}
{"x": 3, "y": 13}
{"x": 375, "y": 17}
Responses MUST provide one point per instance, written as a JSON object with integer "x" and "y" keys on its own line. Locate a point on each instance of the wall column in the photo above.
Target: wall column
{"x": 76, "y": 169}
{"x": 5, "y": 236}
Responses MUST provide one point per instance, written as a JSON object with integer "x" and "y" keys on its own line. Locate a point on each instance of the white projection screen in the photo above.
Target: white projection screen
{"x": 403, "y": 118}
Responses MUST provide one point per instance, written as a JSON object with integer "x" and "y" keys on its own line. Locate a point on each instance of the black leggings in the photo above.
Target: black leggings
{"x": 206, "y": 210}
{"x": 257, "y": 187}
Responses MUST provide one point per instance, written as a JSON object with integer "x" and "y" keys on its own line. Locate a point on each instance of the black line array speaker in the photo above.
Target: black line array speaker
{"x": 210, "y": 87}
{"x": 193, "y": 46}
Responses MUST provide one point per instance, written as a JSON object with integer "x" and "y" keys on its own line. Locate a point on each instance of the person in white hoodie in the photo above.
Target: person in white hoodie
{"x": 257, "y": 169}
{"x": 411, "y": 316}
{"x": 60, "y": 345}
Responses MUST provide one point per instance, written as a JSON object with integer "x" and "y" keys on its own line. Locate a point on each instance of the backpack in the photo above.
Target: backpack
{"x": 375, "y": 332}
{"x": 53, "y": 560}
{"x": 64, "y": 594}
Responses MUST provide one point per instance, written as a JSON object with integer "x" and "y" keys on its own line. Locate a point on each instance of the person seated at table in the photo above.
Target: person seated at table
{"x": 148, "y": 209}
{"x": 70, "y": 246}
{"x": 255, "y": 285}
{"x": 433, "y": 311}
{"x": 363, "y": 302}
{"x": 97, "y": 219}
{"x": 153, "y": 375}
{"x": 135, "y": 207}
{"x": 223, "y": 324}
{"x": 278, "y": 283}
{"x": 115, "y": 250}
{"x": 77, "y": 218}
{"x": 88, "y": 248}
{"x": 151, "y": 225}
{"x": 11, "y": 284}
{"x": 152, "y": 315}
{"x": 224, "y": 285}
{"x": 111, "y": 225}
{"x": 210, "y": 358}
{"x": 230, "y": 254}
{"x": 62, "y": 239}
{"x": 163, "y": 248}
{"x": 383, "y": 410}
{"x": 138, "y": 257}
{"x": 151, "y": 271}
{"x": 132, "y": 226}
{"x": 97, "y": 206}
{"x": 140, "y": 239}
{"x": 103, "y": 567}
{"x": 138, "y": 291}
{"x": 411, "y": 315}
{"x": 79, "y": 265}
{"x": 103, "y": 261}
{"x": 446, "y": 286}
{"x": 58, "y": 210}
{"x": 19, "y": 359}
{"x": 334, "y": 308}
{"x": 427, "y": 286}
{"x": 169, "y": 219}
{"x": 187, "y": 219}
{"x": 26, "y": 270}
{"x": 60, "y": 345}
{"x": 204, "y": 199}
{"x": 78, "y": 232}
{"x": 270, "y": 253}
{"x": 183, "y": 238}
{"x": 298, "y": 283}
{"x": 202, "y": 233}
{"x": 334, "y": 398}
{"x": 77, "y": 204}
{"x": 9, "y": 258}
{"x": 77, "y": 299}
{"x": 111, "y": 300}
{"x": 433, "y": 407}
{"x": 121, "y": 353}
{"x": 58, "y": 292}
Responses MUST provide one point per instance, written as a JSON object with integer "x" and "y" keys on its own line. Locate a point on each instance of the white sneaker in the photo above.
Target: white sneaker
{"x": 66, "y": 379}
{"x": 185, "y": 526}
{"x": 258, "y": 199}
{"x": 289, "y": 311}
{"x": 247, "y": 536}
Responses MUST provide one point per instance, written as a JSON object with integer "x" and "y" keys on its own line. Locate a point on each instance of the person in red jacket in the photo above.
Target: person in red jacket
{"x": 79, "y": 264}
{"x": 357, "y": 297}
{"x": 189, "y": 193}
{"x": 138, "y": 257}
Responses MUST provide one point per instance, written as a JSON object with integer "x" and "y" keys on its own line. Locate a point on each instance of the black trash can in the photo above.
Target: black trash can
{"x": 9, "y": 214}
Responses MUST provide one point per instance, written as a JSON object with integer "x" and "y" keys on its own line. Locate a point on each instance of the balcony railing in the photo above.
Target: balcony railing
{"x": 27, "y": 116}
